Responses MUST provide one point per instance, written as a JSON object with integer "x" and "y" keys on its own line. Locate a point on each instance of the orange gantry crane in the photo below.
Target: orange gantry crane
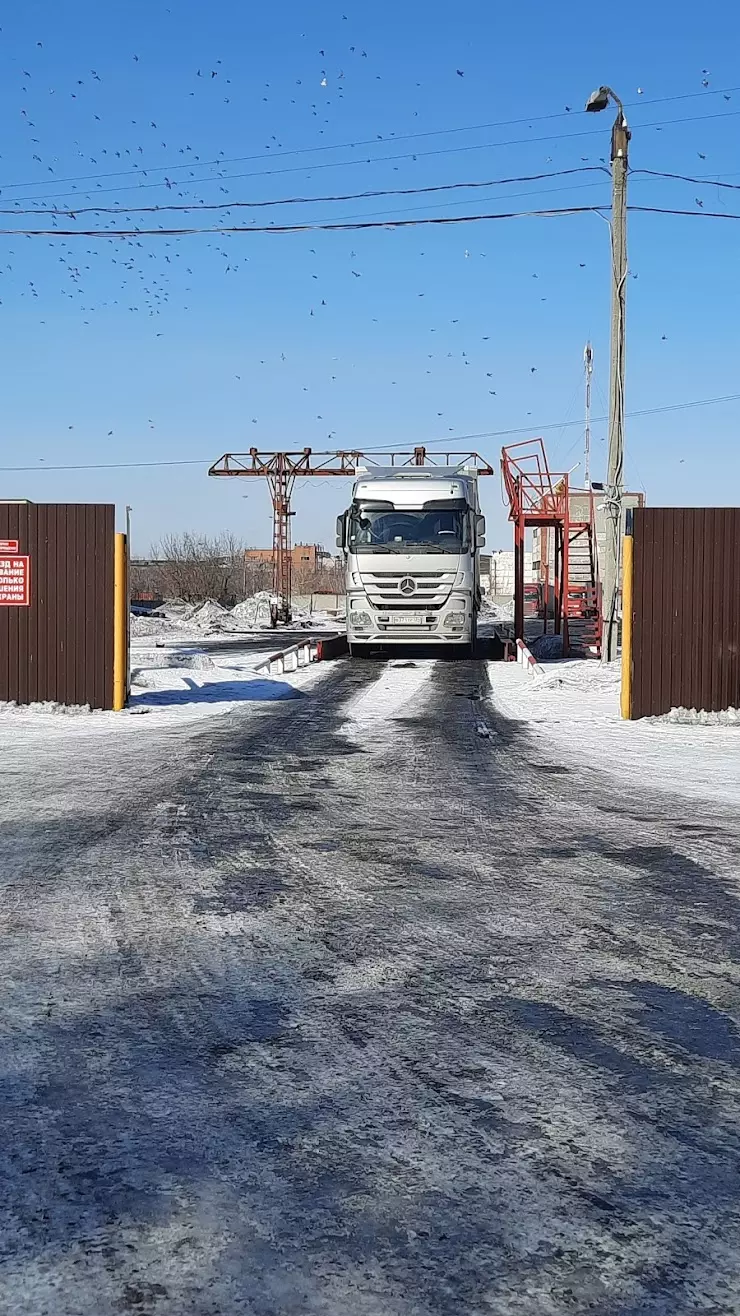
{"x": 282, "y": 469}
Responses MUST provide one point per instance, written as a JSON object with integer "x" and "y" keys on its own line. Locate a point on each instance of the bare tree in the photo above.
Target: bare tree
{"x": 318, "y": 580}
{"x": 257, "y": 575}
{"x": 197, "y": 567}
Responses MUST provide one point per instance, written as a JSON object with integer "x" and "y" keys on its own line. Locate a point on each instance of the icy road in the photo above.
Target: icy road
{"x": 355, "y": 1004}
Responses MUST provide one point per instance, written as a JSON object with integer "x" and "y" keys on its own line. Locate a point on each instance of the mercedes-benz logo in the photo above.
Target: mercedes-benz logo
{"x": 407, "y": 586}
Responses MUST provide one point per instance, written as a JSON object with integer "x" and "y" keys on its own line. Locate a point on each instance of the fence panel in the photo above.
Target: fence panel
{"x": 686, "y": 609}
{"x": 60, "y": 647}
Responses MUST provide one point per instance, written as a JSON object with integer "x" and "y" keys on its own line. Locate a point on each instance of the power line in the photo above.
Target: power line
{"x": 706, "y": 181}
{"x": 73, "y": 211}
{"x": 408, "y": 155}
{"x": 455, "y": 438}
{"x": 369, "y": 141}
{"x": 510, "y": 196}
{"x": 564, "y": 424}
{"x": 454, "y": 205}
{"x": 109, "y": 466}
{"x": 350, "y": 227}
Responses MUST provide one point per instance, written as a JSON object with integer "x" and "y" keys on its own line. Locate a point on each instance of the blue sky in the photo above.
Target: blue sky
{"x": 179, "y": 348}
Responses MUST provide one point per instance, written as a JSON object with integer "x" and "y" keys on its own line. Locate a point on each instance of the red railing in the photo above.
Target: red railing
{"x": 533, "y": 490}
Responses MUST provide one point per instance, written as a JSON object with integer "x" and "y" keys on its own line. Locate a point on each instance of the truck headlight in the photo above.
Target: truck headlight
{"x": 360, "y": 621}
{"x": 455, "y": 619}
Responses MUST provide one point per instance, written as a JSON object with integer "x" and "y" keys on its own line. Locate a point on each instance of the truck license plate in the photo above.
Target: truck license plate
{"x": 407, "y": 618}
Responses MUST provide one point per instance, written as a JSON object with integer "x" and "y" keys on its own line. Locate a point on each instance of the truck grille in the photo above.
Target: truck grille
{"x": 431, "y": 589}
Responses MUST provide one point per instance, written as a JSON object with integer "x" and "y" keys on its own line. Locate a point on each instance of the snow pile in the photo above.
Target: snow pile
{"x": 497, "y": 611}
{"x": 45, "y": 706}
{"x": 727, "y": 717}
{"x": 210, "y": 618}
{"x": 175, "y": 610}
{"x": 151, "y": 626}
{"x": 176, "y": 617}
{"x": 186, "y": 620}
{"x": 254, "y": 611}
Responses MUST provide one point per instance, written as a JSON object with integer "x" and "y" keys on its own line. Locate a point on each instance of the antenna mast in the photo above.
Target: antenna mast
{"x": 588, "y": 364}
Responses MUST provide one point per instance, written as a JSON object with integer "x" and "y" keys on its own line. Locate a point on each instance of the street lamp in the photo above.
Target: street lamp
{"x": 597, "y": 101}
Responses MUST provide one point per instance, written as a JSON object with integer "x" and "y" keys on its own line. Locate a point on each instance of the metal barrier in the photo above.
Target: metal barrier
{"x": 289, "y": 660}
{"x": 301, "y": 655}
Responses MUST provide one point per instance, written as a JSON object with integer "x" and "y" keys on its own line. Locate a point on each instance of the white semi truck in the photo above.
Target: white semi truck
{"x": 411, "y": 540}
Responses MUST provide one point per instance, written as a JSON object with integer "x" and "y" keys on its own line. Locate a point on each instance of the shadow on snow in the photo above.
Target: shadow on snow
{"x": 216, "y": 692}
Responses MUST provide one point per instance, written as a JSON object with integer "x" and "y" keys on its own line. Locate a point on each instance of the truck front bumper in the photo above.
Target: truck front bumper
{"x": 367, "y": 625}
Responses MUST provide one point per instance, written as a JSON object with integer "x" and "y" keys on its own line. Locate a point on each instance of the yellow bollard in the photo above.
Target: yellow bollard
{"x": 120, "y": 628}
{"x": 627, "y": 579}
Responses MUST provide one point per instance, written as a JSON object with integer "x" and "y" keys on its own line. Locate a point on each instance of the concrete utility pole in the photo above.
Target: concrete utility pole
{"x": 588, "y": 366}
{"x": 610, "y": 573}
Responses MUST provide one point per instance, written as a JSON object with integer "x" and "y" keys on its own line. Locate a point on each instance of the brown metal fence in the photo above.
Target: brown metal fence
{"x": 60, "y": 647}
{"x": 686, "y": 609}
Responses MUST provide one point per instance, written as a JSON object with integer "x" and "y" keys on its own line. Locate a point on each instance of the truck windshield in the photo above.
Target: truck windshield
{"x": 425, "y": 531}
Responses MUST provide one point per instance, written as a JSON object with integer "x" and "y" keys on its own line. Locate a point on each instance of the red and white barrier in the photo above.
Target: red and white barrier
{"x": 527, "y": 659}
{"x": 301, "y": 655}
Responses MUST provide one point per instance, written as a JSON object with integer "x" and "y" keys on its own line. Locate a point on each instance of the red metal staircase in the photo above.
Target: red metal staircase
{"x": 540, "y": 498}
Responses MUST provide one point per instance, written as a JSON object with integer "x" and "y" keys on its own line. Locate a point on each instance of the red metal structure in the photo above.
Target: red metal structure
{"x": 539, "y": 497}
{"x": 282, "y": 469}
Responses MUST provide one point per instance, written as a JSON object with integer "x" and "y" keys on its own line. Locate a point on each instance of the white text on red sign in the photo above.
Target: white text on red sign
{"x": 15, "y": 582}
{"x": 9, "y": 545}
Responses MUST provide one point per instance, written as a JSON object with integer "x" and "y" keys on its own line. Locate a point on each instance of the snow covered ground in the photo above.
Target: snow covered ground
{"x": 371, "y": 711}
{"x": 172, "y": 682}
{"x": 339, "y": 1008}
{"x": 574, "y": 706}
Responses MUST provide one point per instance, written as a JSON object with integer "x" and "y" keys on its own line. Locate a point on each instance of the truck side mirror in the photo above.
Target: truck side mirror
{"x": 342, "y": 530}
{"x": 480, "y": 528}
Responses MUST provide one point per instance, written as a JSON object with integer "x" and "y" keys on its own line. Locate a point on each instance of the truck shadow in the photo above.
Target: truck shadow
{"x": 489, "y": 648}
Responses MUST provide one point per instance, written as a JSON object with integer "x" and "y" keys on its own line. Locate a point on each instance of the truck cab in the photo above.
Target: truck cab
{"x": 411, "y": 540}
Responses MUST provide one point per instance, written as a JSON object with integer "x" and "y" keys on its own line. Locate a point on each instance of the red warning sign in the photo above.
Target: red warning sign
{"x": 15, "y": 582}
{"x": 9, "y": 545}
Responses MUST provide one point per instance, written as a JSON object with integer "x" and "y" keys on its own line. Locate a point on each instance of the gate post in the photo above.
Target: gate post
{"x": 628, "y": 566}
{"x": 120, "y": 624}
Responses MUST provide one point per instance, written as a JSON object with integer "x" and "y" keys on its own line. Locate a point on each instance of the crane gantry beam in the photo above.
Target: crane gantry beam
{"x": 281, "y": 469}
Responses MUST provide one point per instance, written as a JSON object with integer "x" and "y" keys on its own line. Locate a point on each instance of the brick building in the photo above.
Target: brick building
{"x": 306, "y": 557}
